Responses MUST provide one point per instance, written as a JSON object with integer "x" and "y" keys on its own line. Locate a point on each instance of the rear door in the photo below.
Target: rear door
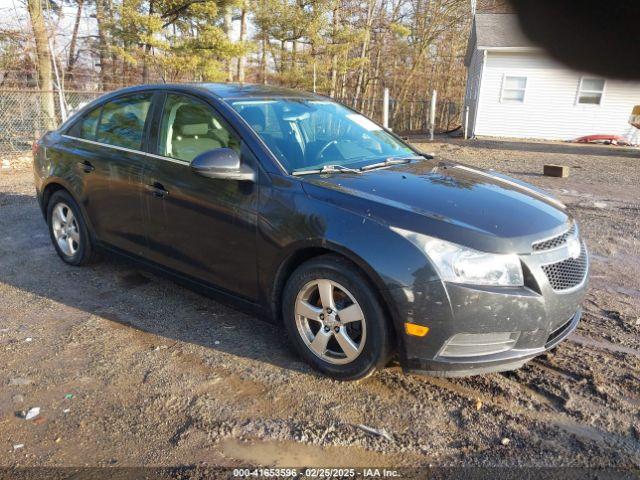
{"x": 109, "y": 144}
{"x": 202, "y": 227}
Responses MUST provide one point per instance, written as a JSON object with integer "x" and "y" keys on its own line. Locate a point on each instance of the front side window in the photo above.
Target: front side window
{"x": 190, "y": 127}
{"x": 310, "y": 133}
{"x": 590, "y": 91}
{"x": 513, "y": 89}
{"x": 122, "y": 121}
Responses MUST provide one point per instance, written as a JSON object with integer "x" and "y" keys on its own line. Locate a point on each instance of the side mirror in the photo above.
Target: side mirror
{"x": 222, "y": 163}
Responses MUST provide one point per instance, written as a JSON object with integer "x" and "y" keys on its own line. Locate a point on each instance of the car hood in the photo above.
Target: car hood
{"x": 478, "y": 208}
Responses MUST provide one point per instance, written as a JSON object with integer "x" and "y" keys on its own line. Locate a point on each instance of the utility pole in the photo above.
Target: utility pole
{"x": 315, "y": 76}
{"x": 385, "y": 108}
{"x": 434, "y": 103}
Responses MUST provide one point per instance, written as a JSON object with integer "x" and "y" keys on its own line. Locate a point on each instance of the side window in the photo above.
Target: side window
{"x": 590, "y": 91}
{"x": 85, "y": 127}
{"x": 122, "y": 121}
{"x": 261, "y": 116}
{"x": 190, "y": 127}
{"x": 513, "y": 89}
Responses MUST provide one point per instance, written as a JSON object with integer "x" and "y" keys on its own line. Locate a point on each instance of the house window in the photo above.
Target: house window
{"x": 590, "y": 91}
{"x": 513, "y": 89}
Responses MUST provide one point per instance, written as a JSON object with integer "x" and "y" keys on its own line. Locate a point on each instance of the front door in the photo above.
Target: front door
{"x": 202, "y": 227}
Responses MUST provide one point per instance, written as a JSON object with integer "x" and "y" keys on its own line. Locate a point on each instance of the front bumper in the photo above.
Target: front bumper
{"x": 538, "y": 316}
{"x": 498, "y": 362}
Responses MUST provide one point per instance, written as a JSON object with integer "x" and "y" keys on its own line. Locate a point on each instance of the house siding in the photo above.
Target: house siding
{"x": 549, "y": 110}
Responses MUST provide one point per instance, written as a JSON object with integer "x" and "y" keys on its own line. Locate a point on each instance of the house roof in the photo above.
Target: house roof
{"x": 499, "y": 30}
{"x": 496, "y": 31}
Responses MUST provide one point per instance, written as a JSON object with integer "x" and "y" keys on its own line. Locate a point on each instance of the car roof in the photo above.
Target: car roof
{"x": 227, "y": 91}
{"x": 237, "y": 90}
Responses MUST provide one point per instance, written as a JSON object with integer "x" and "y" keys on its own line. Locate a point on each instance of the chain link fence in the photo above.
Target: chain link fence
{"x": 22, "y": 119}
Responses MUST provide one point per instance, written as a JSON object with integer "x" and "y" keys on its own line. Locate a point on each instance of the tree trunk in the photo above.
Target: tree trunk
{"x": 227, "y": 26}
{"x": 375, "y": 83}
{"x": 44, "y": 63}
{"x": 282, "y": 55}
{"x": 343, "y": 86}
{"x": 73, "y": 56}
{"x": 263, "y": 59}
{"x": 243, "y": 33}
{"x": 334, "y": 54}
{"x": 147, "y": 51}
{"x": 363, "y": 51}
{"x": 103, "y": 45}
{"x": 113, "y": 56}
{"x": 294, "y": 55}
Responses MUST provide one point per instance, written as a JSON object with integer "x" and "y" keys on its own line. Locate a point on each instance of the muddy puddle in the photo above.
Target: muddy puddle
{"x": 293, "y": 454}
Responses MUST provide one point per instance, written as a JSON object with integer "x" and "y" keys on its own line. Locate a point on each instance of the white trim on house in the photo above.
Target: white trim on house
{"x": 509, "y": 49}
{"x": 479, "y": 97}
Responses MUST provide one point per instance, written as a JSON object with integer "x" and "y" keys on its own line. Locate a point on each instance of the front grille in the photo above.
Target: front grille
{"x": 554, "y": 242}
{"x": 567, "y": 273}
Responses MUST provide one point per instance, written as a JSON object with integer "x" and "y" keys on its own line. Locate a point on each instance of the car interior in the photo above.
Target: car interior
{"x": 190, "y": 129}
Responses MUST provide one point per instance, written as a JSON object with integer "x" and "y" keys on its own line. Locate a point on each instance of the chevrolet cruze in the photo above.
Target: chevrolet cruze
{"x": 297, "y": 208}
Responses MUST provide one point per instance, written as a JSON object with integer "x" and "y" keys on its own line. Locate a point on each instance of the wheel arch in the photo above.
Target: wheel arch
{"x": 305, "y": 252}
{"x": 48, "y": 191}
{"x": 55, "y": 184}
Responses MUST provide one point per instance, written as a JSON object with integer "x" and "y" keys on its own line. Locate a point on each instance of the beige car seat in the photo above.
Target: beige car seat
{"x": 193, "y": 133}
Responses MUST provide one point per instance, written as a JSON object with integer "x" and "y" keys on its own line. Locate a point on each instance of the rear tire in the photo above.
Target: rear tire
{"x": 68, "y": 230}
{"x": 334, "y": 319}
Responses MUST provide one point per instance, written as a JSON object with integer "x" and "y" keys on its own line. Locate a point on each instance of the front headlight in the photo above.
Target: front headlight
{"x": 459, "y": 264}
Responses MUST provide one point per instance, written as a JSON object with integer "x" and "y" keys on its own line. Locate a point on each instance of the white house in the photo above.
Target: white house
{"x": 515, "y": 90}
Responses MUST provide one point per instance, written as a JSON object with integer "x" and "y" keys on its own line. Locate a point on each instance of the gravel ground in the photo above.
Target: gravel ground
{"x": 131, "y": 369}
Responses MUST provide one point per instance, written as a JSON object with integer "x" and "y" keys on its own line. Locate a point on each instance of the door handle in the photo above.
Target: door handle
{"x": 157, "y": 190}
{"x": 86, "y": 166}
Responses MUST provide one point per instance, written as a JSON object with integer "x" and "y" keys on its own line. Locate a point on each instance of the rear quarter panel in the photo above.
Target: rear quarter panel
{"x": 56, "y": 164}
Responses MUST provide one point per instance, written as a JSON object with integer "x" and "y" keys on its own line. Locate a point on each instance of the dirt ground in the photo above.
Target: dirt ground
{"x": 130, "y": 369}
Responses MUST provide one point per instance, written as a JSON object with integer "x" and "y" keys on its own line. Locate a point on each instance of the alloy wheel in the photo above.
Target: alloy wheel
{"x": 330, "y": 321}
{"x": 65, "y": 229}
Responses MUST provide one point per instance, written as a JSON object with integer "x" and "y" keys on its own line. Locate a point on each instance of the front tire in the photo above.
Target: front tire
{"x": 334, "y": 319}
{"x": 68, "y": 230}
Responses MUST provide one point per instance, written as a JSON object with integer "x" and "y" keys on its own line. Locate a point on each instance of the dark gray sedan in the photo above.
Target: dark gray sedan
{"x": 298, "y": 209}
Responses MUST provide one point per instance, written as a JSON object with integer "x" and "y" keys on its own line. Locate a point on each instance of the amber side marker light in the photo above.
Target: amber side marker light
{"x": 415, "y": 330}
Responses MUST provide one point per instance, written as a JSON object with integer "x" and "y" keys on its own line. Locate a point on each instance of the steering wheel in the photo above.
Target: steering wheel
{"x": 323, "y": 149}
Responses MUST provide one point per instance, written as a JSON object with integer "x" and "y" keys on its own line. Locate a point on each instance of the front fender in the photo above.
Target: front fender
{"x": 293, "y": 226}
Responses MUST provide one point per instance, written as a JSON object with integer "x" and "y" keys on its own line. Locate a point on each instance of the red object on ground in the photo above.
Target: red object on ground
{"x": 607, "y": 139}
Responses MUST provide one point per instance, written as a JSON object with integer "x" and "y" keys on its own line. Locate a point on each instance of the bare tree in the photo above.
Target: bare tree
{"x": 43, "y": 54}
{"x": 103, "y": 44}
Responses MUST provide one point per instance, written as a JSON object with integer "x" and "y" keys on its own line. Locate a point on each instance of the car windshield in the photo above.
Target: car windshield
{"x": 308, "y": 134}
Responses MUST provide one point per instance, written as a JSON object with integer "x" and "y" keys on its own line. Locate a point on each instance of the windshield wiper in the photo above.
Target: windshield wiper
{"x": 391, "y": 161}
{"x": 327, "y": 169}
